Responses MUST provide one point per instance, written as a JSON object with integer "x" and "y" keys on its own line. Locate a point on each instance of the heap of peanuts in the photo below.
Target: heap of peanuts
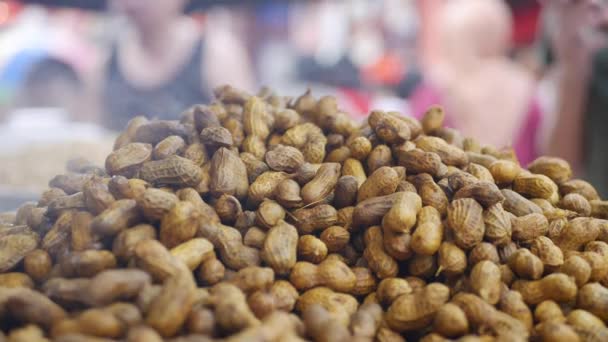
{"x": 264, "y": 218}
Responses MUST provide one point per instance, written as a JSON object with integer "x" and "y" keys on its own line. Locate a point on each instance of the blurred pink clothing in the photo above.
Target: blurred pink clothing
{"x": 524, "y": 142}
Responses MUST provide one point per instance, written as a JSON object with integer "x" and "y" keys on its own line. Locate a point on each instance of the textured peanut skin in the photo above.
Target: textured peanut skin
{"x": 179, "y": 224}
{"x": 410, "y": 311}
{"x": 428, "y": 235}
{"x": 169, "y": 310}
{"x": 430, "y": 192}
{"x": 402, "y": 216}
{"x": 171, "y": 145}
{"x": 280, "y": 247}
{"x": 112, "y": 285}
{"x": 485, "y": 280}
{"x": 322, "y": 184}
{"x": 173, "y": 170}
{"x": 119, "y": 216}
{"x": 557, "y": 286}
{"x": 340, "y": 306}
{"x": 465, "y": 219}
{"x": 317, "y": 218}
{"x": 14, "y": 247}
{"x": 334, "y": 274}
{"x": 379, "y": 261}
{"x": 382, "y": 182}
{"x": 155, "y": 203}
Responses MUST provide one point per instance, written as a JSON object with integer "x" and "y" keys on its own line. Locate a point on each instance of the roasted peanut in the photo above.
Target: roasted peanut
{"x": 321, "y": 326}
{"x": 519, "y": 205}
{"x": 576, "y": 233}
{"x": 371, "y": 211}
{"x": 334, "y": 274}
{"x": 430, "y": 193}
{"x": 169, "y": 310}
{"x": 419, "y": 161}
{"x": 547, "y": 251}
{"x": 428, "y": 235}
{"x": 269, "y": 214}
{"x": 340, "y": 306}
{"x": 578, "y": 268}
{"x": 335, "y": 238}
{"x": 485, "y": 281}
{"x": 529, "y": 227}
{"x": 482, "y": 315}
{"x": 548, "y": 310}
{"x": 412, "y": 311}
{"x": 450, "y": 321}
{"x": 526, "y": 265}
{"x": 452, "y": 260}
{"x": 310, "y": 220}
{"x": 381, "y": 182}
{"x": 228, "y": 174}
{"x": 389, "y": 128}
{"x": 592, "y": 297}
{"x": 402, "y": 216}
{"x": 353, "y": 167}
{"x": 484, "y": 251}
{"x": 345, "y": 191}
{"x": 119, "y": 216}
{"x": 555, "y": 168}
{"x": 513, "y": 304}
{"x": 557, "y": 286}
{"x": 378, "y": 260}
{"x": 280, "y": 247}
{"x": 211, "y": 271}
{"x": 311, "y": 249}
{"x": 465, "y": 219}
{"x": 179, "y": 224}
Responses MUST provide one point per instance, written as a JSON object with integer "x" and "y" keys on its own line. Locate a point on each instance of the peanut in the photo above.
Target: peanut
{"x": 381, "y": 182}
{"x": 485, "y": 281}
{"x": 280, "y": 247}
{"x": 428, "y": 235}
{"x": 402, "y": 216}
{"x": 557, "y": 286}
{"x": 526, "y": 265}
{"x": 340, "y": 306}
{"x": 378, "y": 260}
{"x": 322, "y": 184}
{"x": 466, "y": 221}
{"x": 334, "y": 274}
{"x": 127, "y": 160}
{"x": 412, "y": 311}
{"x": 450, "y": 321}
{"x": 592, "y": 297}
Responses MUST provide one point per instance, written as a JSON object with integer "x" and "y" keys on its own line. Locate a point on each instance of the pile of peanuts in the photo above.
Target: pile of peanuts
{"x": 267, "y": 218}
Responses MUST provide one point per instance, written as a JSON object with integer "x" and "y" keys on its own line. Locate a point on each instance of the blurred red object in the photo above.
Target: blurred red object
{"x": 9, "y": 11}
{"x": 355, "y": 102}
{"x": 525, "y": 22}
{"x": 387, "y": 70}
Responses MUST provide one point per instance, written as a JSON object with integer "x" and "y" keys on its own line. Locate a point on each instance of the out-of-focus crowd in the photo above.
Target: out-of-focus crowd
{"x": 525, "y": 73}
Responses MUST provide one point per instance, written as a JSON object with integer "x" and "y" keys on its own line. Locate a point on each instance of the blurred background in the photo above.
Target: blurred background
{"x": 525, "y": 73}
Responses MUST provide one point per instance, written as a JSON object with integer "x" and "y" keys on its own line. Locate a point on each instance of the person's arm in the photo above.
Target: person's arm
{"x": 573, "y": 63}
{"x": 567, "y": 138}
{"x": 226, "y": 61}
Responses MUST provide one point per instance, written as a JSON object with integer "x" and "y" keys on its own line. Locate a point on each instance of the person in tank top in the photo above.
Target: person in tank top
{"x": 162, "y": 64}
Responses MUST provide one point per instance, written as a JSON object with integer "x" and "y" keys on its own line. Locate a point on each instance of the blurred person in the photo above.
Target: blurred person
{"x": 578, "y": 40}
{"x": 41, "y": 129}
{"x": 50, "y": 83}
{"x": 485, "y": 94}
{"x": 162, "y": 64}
